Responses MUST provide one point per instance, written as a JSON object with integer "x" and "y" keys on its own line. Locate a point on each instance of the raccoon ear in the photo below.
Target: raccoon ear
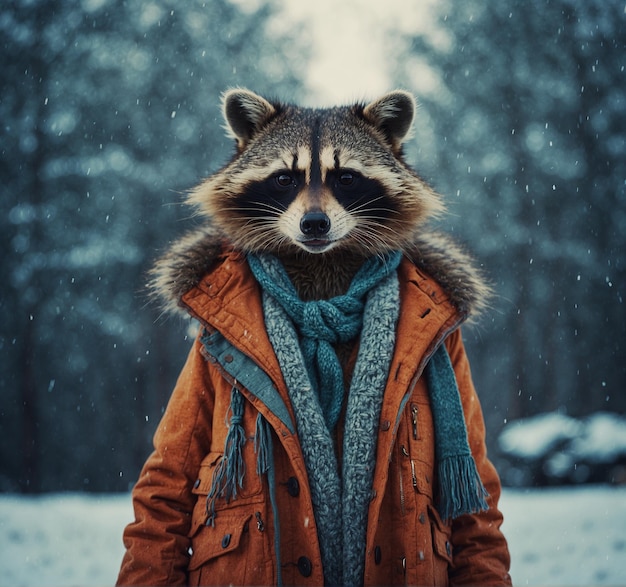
{"x": 245, "y": 113}
{"x": 392, "y": 114}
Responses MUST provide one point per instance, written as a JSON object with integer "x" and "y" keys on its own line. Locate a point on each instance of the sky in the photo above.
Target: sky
{"x": 353, "y": 51}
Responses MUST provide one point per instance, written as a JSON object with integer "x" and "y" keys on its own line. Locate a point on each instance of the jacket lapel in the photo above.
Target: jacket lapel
{"x": 227, "y": 303}
{"x": 426, "y": 318}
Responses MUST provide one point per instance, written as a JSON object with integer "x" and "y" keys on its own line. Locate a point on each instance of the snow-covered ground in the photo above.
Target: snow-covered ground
{"x": 564, "y": 537}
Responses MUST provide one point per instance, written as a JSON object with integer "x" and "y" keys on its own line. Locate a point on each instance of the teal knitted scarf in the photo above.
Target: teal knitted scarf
{"x": 302, "y": 334}
{"x": 340, "y": 498}
{"x": 323, "y": 323}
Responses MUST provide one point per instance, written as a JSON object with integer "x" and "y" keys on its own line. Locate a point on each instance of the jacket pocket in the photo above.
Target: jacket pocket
{"x": 232, "y": 552}
{"x": 251, "y": 491}
{"x": 217, "y": 541}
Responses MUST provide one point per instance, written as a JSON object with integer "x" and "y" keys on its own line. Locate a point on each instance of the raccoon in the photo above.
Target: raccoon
{"x": 322, "y": 189}
{"x": 312, "y": 405}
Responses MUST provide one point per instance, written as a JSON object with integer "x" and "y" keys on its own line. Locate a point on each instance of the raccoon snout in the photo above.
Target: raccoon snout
{"x": 315, "y": 224}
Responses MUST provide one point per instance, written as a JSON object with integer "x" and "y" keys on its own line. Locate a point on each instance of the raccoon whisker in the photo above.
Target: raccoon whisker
{"x": 373, "y": 224}
{"x": 257, "y": 207}
{"x": 262, "y": 233}
{"x": 361, "y": 203}
{"x": 259, "y": 241}
{"x": 366, "y": 205}
{"x": 271, "y": 204}
{"x": 374, "y": 242}
{"x": 260, "y": 222}
{"x": 366, "y": 208}
{"x": 382, "y": 211}
{"x": 379, "y": 221}
{"x": 196, "y": 213}
{"x": 372, "y": 245}
{"x": 372, "y": 234}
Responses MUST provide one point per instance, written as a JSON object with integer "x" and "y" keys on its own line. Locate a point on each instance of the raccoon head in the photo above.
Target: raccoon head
{"x": 317, "y": 180}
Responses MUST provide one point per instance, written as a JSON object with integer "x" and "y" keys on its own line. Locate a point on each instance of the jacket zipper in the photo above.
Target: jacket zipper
{"x": 404, "y": 570}
{"x": 402, "y": 496}
{"x": 414, "y": 412}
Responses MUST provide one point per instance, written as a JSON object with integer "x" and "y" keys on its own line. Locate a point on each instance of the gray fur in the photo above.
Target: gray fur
{"x": 435, "y": 254}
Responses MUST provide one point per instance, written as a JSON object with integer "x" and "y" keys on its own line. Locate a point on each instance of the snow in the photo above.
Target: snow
{"x": 557, "y": 537}
{"x": 566, "y": 537}
{"x": 604, "y": 438}
{"x": 62, "y": 540}
{"x": 532, "y": 438}
{"x": 553, "y": 449}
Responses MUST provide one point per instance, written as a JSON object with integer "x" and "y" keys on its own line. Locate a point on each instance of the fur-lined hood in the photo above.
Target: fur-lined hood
{"x": 182, "y": 267}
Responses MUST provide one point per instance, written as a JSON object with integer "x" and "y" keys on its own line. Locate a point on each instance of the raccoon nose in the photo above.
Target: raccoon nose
{"x": 315, "y": 224}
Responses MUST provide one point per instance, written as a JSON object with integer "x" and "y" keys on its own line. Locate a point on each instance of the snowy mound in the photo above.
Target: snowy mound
{"x": 552, "y": 448}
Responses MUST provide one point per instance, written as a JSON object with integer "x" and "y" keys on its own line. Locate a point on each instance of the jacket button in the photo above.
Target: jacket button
{"x": 305, "y": 566}
{"x": 226, "y": 541}
{"x": 196, "y": 484}
{"x": 448, "y": 548}
{"x": 385, "y": 425}
{"x": 377, "y": 555}
{"x": 422, "y": 518}
{"x": 293, "y": 487}
{"x": 228, "y": 358}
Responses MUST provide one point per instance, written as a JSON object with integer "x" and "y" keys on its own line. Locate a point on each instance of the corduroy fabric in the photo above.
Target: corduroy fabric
{"x": 228, "y": 302}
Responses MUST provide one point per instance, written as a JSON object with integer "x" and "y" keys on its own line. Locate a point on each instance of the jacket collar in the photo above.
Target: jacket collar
{"x": 227, "y": 299}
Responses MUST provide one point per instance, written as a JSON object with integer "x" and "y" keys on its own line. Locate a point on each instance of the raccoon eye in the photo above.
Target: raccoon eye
{"x": 346, "y": 178}
{"x": 284, "y": 180}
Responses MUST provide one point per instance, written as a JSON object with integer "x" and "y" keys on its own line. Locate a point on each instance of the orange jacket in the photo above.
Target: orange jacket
{"x": 169, "y": 543}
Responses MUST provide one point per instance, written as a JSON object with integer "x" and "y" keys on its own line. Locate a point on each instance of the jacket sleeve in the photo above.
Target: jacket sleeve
{"x": 157, "y": 541}
{"x": 481, "y": 555}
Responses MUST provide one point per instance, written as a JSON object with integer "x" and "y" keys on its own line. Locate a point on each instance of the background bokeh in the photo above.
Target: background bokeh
{"x": 110, "y": 112}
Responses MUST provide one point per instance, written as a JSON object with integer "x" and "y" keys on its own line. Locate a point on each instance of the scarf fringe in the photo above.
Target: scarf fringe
{"x": 231, "y": 470}
{"x": 262, "y": 448}
{"x": 460, "y": 488}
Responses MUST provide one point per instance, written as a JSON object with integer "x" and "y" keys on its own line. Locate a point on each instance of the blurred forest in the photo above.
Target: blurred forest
{"x": 524, "y": 128}
{"x": 110, "y": 111}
